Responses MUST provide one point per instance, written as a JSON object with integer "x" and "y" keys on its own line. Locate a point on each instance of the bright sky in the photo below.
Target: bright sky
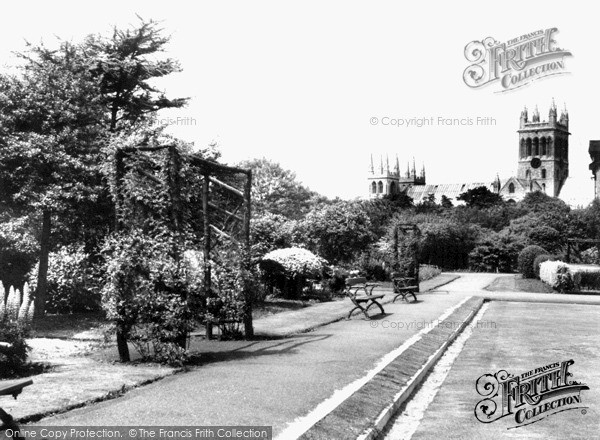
{"x": 298, "y": 82}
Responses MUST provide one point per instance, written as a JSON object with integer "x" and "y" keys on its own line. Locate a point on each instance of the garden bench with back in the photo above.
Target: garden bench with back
{"x": 361, "y": 294}
{"x": 11, "y": 388}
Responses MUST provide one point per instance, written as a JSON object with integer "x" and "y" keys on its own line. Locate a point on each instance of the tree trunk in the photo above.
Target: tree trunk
{"x": 248, "y": 295}
{"x": 42, "y": 279}
{"x": 122, "y": 346}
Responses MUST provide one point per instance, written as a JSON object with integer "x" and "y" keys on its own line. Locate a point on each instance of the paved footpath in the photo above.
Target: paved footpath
{"x": 275, "y": 382}
{"x": 270, "y": 382}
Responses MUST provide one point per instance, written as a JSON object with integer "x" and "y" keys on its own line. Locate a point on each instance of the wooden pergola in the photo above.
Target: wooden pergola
{"x": 211, "y": 173}
{"x": 401, "y": 230}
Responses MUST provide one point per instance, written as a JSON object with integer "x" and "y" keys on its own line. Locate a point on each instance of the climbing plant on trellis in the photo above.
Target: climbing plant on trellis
{"x": 406, "y": 250}
{"x": 208, "y": 205}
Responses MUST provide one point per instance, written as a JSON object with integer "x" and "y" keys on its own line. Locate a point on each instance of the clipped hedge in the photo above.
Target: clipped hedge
{"x": 590, "y": 280}
{"x": 567, "y": 277}
{"x": 526, "y": 259}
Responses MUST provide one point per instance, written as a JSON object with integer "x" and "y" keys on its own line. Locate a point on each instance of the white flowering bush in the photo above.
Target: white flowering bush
{"x": 297, "y": 261}
{"x": 549, "y": 271}
{"x": 287, "y": 269}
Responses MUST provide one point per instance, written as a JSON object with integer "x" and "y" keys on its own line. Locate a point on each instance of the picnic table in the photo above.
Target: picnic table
{"x": 366, "y": 297}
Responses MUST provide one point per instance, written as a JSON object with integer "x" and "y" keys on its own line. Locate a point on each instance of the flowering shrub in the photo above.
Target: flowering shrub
{"x": 287, "y": 269}
{"x": 549, "y": 272}
{"x": 15, "y": 318}
{"x": 146, "y": 293}
{"x": 539, "y": 260}
{"x": 297, "y": 261}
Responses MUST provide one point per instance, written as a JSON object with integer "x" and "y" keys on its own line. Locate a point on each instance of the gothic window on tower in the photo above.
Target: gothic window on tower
{"x": 380, "y": 187}
{"x": 543, "y": 173}
{"x": 528, "y": 145}
{"x": 536, "y": 147}
{"x": 393, "y": 188}
{"x": 543, "y": 146}
{"x": 544, "y": 187}
{"x": 511, "y": 188}
{"x": 373, "y": 187}
{"x": 527, "y": 174}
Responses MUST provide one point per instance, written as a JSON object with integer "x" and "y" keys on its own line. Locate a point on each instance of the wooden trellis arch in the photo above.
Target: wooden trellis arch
{"x": 227, "y": 224}
{"x": 402, "y": 230}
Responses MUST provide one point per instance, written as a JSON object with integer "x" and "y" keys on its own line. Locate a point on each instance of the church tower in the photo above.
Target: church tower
{"x": 544, "y": 150}
{"x": 382, "y": 179}
{"x": 385, "y": 180}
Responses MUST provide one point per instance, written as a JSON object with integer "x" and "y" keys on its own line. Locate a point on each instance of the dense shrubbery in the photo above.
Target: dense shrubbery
{"x": 526, "y": 258}
{"x": 447, "y": 244}
{"x": 546, "y": 237}
{"x": 590, "y": 280}
{"x": 564, "y": 279}
{"x": 146, "y": 293}
{"x": 337, "y": 232}
{"x": 72, "y": 283}
{"x": 496, "y": 252}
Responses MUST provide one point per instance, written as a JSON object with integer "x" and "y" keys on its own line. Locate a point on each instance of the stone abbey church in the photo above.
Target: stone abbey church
{"x": 543, "y": 165}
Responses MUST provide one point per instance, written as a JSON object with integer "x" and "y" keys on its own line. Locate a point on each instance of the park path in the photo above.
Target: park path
{"x": 271, "y": 382}
{"x": 275, "y": 382}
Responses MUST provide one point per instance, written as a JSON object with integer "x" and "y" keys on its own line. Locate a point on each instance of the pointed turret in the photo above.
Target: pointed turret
{"x": 407, "y": 170}
{"x": 524, "y": 117}
{"x": 552, "y": 117}
{"x": 414, "y": 169}
{"x": 397, "y": 167}
{"x": 372, "y": 168}
{"x": 564, "y": 116}
{"x": 387, "y": 164}
{"x": 497, "y": 185}
{"x": 536, "y": 115}
{"x": 380, "y": 164}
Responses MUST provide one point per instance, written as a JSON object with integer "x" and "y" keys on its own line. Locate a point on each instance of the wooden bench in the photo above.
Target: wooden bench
{"x": 11, "y": 388}
{"x": 356, "y": 285}
{"x": 404, "y": 286}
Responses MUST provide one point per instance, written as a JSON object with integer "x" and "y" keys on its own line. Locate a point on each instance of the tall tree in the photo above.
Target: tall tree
{"x": 276, "y": 190}
{"x": 51, "y": 131}
{"x": 125, "y": 64}
{"x": 480, "y": 197}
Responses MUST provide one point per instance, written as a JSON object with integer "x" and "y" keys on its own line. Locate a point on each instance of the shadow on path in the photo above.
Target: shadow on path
{"x": 250, "y": 349}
